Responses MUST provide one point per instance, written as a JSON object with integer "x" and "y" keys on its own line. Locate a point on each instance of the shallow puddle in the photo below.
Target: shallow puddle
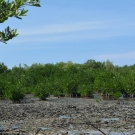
{"x": 110, "y": 119}
{"x": 15, "y": 127}
{"x": 122, "y": 133}
{"x": 43, "y": 128}
{"x": 64, "y": 117}
{"x": 99, "y": 133}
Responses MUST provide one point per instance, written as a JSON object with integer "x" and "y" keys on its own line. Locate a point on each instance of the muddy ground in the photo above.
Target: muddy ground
{"x": 67, "y": 116}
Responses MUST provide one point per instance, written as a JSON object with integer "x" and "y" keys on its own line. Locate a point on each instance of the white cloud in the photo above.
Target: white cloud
{"x": 109, "y": 25}
{"x": 123, "y": 56}
{"x": 64, "y": 28}
{"x": 92, "y": 35}
{"x": 91, "y": 30}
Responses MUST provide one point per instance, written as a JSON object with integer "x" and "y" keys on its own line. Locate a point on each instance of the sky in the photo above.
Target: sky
{"x": 72, "y": 30}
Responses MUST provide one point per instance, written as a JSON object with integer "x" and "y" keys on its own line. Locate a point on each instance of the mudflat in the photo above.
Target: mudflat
{"x": 67, "y": 116}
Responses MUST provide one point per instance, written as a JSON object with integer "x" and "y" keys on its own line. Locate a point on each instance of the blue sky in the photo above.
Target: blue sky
{"x": 73, "y": 30}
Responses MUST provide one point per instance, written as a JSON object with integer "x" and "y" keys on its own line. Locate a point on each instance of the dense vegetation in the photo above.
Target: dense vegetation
{"x": 66, "y": 79}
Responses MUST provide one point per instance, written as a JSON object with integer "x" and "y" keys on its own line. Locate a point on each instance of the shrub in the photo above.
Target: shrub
{"x": 40, "y": 91}
{"x": 14, "y": 93}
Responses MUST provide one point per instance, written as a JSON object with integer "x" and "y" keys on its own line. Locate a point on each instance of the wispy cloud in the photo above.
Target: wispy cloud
{"x": 123, "y": 56}
{"x": 77, "y": 27}
{"x": 64, "y": 28}
{"x": 100, "y": 35}
{"x": 77, "y": 31}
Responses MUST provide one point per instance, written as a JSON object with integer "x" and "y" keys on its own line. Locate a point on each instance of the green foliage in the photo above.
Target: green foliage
{"x": 93, "y": 64}
{"x": 66, "y": 79}
{"x": 14, "y": 8}
{"x": 128, "y": 81}
{"x": 3, "y": 74}
{"x": 109, "y": 65}
{"x": 58, "y": 87}
{"x": 41, "y": 91}
{"x": 2, "y": 86}
{"x": 84, "y": 90}
{"x": 7, "y": 34}
{"x": 14, "y": 92}
{"x": 117, "y": 94}
{"x": 3, "y": 68}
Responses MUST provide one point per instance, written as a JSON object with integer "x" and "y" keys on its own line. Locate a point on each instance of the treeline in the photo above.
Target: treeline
{"x": 66, "y": 79}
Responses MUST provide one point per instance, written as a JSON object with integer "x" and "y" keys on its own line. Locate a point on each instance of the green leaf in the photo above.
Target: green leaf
{"x": 37, "y": 5}
{"x": 13, "y": 8}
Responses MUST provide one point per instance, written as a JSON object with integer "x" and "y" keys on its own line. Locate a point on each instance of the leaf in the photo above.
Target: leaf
{"x": 18, "y": 17}
{"x": 37, "y": 5}
{"x": 13, "y": 8}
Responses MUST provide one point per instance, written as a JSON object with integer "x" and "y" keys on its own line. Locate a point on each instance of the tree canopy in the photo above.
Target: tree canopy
{"x": 66, "y": 79}
{"x": 14, "y": 8}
